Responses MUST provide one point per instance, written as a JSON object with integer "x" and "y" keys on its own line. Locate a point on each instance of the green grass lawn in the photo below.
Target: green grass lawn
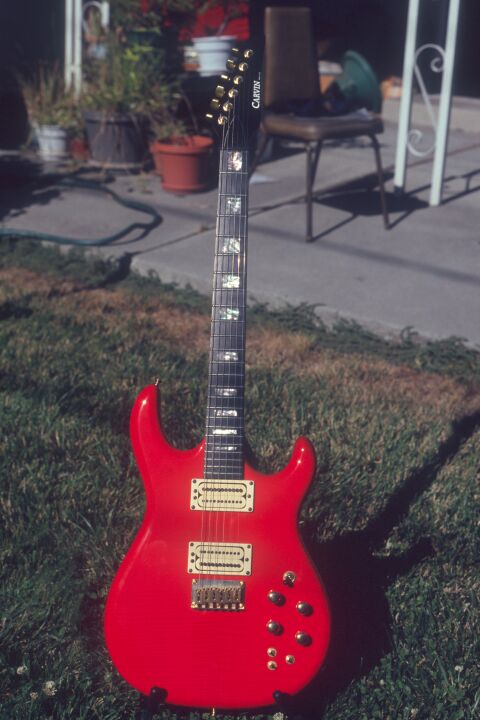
{"x": 391, "y": 520}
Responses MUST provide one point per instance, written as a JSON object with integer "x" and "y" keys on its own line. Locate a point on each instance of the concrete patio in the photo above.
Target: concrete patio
{"x": 423, "y": 273}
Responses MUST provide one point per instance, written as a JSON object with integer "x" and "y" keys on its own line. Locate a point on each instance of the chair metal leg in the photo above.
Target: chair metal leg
{"x": 312, "y": 162}
{"x": 378, "y": 160}
{"x": 262, "y": 140}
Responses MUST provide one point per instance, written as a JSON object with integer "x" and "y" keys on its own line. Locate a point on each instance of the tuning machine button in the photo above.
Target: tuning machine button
{"x": 276, "y": 598}
{"x": 231, "y": 64}
{"x": 289, "y": 578}
{"x": 219, "y": 91}
{"x": 215, "y": 104}
{"x": 303, "y": 638}
{"x": 304, "y": 608}
{"x": 274, "y": 627}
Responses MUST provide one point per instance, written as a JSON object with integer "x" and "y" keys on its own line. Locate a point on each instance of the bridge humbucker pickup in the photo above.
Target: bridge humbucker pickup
{"x": 208, "y": 558}
{"x": 218, "y": 595}
{"x": 224, "y": 495}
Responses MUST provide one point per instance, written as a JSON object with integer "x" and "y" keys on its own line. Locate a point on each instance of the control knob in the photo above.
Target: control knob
{"x": 276, "y": 598}
{"x": 303, "y": 638}
{"x": 304, "y": 608}
{"x": 274, "y": 627}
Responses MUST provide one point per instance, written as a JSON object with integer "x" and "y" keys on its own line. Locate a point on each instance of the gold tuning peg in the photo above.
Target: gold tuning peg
{"x": 232, "y": 93}
{"x": 237, "y": 80}
{"x": 222, "y": 120}
{"x": 247, "y": 54}
{"x": 209, "y": 117}
{"x": 225, "y": 78}
{"x": 219, "y": 91}
{"x": 235, "y": 51}
{"x": 215, "y": 104}
{"x": 227, "y": 107}
{"x": 243, "y": 67}
{"x": 231, "y": 64}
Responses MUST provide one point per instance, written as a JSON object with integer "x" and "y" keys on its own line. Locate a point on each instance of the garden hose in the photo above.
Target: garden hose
{"x": 92, "y": 242}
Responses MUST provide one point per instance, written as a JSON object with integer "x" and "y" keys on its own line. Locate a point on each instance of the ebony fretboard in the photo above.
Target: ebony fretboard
{"x": 225, "y": 428}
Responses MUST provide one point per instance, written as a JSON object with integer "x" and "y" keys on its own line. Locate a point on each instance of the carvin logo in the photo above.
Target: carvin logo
{"x": 256, "y": 93}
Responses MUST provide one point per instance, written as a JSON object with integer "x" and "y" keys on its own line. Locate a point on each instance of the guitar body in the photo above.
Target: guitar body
{"x": 223, "y": 658}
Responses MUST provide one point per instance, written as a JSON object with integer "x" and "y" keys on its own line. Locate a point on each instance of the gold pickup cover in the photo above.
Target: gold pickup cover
{"x": 224, "y": 495}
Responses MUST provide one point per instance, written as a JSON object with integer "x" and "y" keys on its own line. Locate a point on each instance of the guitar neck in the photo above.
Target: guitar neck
{"x": 225, "y": 426}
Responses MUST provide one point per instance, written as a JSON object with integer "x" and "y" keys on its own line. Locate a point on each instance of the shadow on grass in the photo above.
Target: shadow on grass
{"x": 356, "y": 581}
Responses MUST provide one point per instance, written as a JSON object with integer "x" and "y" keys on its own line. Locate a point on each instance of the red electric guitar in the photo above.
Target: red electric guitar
{"x": 217, "y": 603}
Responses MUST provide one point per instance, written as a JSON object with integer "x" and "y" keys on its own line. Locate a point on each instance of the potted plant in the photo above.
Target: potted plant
{"x": 180, "y": 153}
{"x": 212, "y": 46}
{"x": 114, "y": 100}
{"x": 52, "y": 111}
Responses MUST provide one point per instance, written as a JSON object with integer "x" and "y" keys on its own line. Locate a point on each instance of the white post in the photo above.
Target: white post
{"x": 445, "y": 104}
{"x": 77, "y": 46}
{"x": 406, "y": 99}
{"x": 68, "y": 59}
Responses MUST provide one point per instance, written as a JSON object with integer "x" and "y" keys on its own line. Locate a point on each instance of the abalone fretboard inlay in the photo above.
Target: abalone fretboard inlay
{"x": 225, "y": 420}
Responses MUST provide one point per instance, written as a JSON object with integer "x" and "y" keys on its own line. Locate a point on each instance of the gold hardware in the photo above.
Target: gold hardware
{"x": 235, "y": 51}
{"x": 219, "y": 91}
{"x": 247, "y": 54}
{"x": 290, "y": 659}
{"x": 289, "y": 578}
{"x": 225, "y": 78}
{"x": 231, "y": 64}
{"x": 243, "y": 67}
{"x": 227, "y": 107}
{"x": 222, "y": 120}
{"x": 232, "y": 93}
{"x": 272, "y": 665}
{"x": 237, "y": 80}
{"x": 215, "y": 104}
{"x": 209, "y": 117}
{"x": 271, "y": 652}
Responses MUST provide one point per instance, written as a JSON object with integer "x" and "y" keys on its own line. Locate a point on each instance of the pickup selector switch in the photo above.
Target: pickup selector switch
{"x": 304, "y": 608}
{"x": 276, "y": 598}
{"x": 274, "y": 627}
{"x": 303, "y": 638}
{"x": 288, "y": 578}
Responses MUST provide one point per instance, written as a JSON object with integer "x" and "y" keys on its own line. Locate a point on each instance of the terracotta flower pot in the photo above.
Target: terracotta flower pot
{"x": 183, "y": 163}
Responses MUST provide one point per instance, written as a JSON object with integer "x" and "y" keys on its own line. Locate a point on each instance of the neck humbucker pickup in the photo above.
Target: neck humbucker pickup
{"x": 224, "y": 495}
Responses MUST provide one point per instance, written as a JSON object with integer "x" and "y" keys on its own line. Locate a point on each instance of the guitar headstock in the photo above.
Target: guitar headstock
{"x": 236, "y": 104}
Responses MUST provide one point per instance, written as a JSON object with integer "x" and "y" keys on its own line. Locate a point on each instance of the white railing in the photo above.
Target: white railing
{"x": 75, "y": 19}
{"x": 413, "y": 140}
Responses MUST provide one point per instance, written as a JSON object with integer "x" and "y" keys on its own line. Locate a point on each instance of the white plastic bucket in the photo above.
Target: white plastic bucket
{"x": 213, "y": 52}
{"x": 52, "y": 142}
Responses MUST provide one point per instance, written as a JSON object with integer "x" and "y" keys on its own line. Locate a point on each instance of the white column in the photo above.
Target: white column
{"x": 445, "y": 104}
{"x": 77, "y": 46}
{"x": 406, "y": 99}
{"x": 68, "y": 57}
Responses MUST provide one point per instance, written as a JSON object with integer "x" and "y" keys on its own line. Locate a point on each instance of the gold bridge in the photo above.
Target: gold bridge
{"x": 218, "y": 594}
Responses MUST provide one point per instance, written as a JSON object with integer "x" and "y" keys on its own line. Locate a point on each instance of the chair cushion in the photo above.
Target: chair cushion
{"x": 321, "y": 128}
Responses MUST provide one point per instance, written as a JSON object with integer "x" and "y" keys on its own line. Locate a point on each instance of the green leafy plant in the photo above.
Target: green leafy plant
{"x": 48, "y": 102}
{"x": 122, "y": 82}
